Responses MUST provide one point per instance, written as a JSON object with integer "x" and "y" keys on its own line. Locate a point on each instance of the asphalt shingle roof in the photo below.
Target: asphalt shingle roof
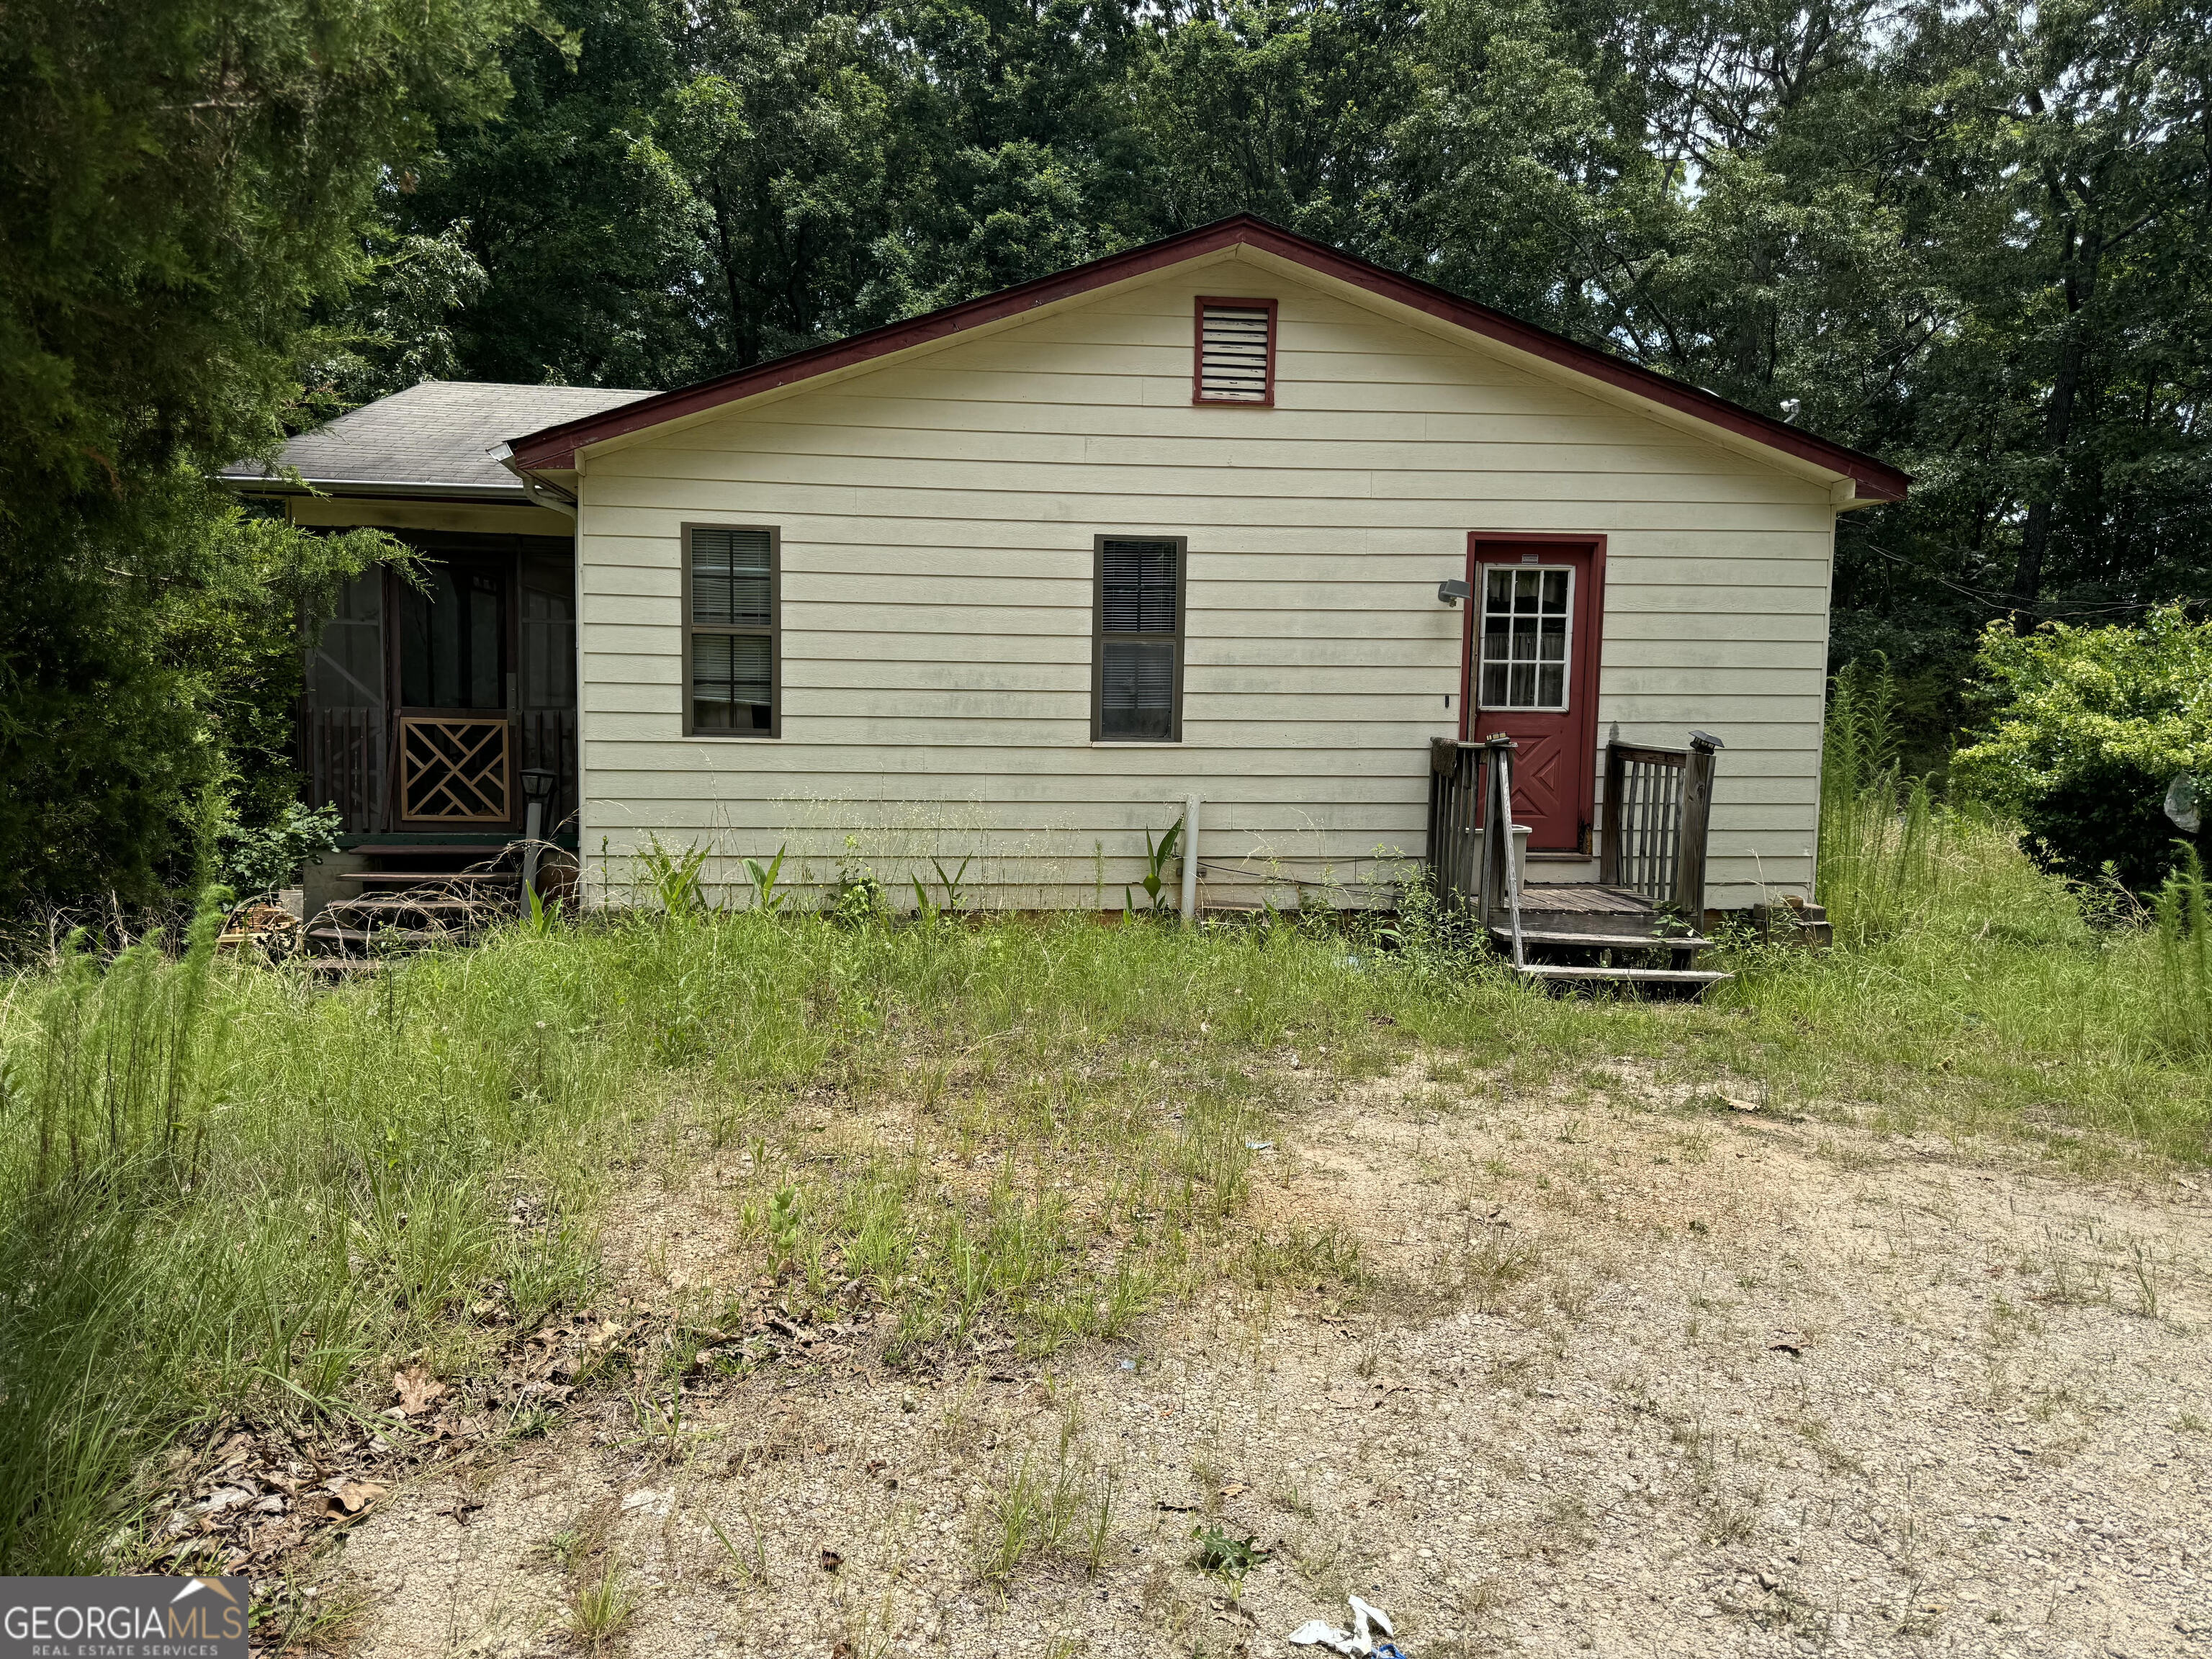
{"x": 438, "y": 433}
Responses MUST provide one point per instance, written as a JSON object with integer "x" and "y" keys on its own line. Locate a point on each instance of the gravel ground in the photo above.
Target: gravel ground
{"x": 1643, "y": 1372}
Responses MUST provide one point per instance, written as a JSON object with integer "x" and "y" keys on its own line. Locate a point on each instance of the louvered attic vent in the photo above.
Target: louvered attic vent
{"x": 1236, "y": 352}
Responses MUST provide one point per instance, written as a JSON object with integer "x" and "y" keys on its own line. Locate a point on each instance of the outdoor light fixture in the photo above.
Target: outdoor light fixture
{"x": 1452, "y": 592}
{"x": 538, "y": 784}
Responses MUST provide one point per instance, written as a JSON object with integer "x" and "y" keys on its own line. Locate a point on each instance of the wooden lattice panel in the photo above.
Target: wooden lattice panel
{"x": 453, "y": 771}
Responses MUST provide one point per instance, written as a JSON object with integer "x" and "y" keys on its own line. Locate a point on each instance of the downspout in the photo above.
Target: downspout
{"x": 1190, "y": 861}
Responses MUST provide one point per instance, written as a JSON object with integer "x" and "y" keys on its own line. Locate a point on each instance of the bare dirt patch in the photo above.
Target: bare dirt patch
{"x": 1638, "y": 1371}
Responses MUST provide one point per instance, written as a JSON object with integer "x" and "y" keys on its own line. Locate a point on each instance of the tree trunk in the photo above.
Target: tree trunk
{"x": 2079, "y": 281}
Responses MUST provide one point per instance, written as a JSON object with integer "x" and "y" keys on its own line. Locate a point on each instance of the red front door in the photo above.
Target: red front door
{"x": 1531, "y": 673}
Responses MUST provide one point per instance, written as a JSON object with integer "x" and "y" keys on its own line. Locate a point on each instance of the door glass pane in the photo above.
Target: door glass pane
{"x": 453, "y": 638}
{"x": 1526, "y": 636}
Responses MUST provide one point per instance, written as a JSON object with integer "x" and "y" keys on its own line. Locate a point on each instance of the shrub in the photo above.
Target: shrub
{"x": 2085, "y": 728}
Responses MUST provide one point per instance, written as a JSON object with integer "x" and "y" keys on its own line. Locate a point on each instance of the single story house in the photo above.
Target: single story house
{"x": 1007, "y": 583}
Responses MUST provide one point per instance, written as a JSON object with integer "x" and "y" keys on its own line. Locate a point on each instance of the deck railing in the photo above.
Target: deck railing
{"x": 1654, "y": 822}
{"x": 1657, "y": 812}
{"x": 1455, "y": 809}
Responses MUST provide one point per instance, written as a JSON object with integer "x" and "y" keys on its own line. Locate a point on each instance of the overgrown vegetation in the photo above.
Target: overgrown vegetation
{"x": 228, "y": 1189}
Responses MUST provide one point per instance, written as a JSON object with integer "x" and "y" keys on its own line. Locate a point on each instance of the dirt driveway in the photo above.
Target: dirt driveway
{"x": 1640, "y": 1372}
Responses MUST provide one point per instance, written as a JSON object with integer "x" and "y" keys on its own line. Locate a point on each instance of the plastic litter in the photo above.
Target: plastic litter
{"x": 2185, "y": 803}
{"x": 1259, "y": 1145}
{"x": 1359, "y": 1642}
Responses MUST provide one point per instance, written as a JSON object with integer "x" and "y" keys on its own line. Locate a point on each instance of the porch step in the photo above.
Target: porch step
{"x": 1699, "y": 977}
{"x": 478, "y": 850}
{"x": 363, "y": 939}
{"x": 429, "y": 877}
{"x": 400, "y": 904}
{"x": 1603, "y": 941}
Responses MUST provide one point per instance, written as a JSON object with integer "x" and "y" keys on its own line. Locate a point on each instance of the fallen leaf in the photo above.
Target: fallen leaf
{"x": 831, "y": 1560}
{"x": 1789, "y": 1348}
{"x": 415, "y": 1389}
{"x": 1234, "y": 1490}
{"x": 358, "y": 1495}
{"x": 313, "y": 1507}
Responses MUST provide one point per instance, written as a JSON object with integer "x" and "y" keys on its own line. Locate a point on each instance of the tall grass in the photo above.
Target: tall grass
{"x": 227, "y": 1189}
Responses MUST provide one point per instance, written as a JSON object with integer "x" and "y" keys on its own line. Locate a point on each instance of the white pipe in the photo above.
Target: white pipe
{"x": 1190, "y": 861}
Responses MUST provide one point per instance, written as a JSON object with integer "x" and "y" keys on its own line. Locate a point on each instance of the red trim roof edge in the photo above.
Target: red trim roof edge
{"x": 554, "y": 448}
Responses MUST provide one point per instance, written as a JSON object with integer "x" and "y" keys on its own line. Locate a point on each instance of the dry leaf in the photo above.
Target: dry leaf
{"x": 358, "y": 1495}
{"x": 1234, "y": 1490}
{"x": 831, "y": 1560}
{"x": 416, "y": 1388}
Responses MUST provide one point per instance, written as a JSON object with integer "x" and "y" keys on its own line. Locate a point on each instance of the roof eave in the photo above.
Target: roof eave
{"x": 555, "y": 448}
{"x": 419, "y": 490}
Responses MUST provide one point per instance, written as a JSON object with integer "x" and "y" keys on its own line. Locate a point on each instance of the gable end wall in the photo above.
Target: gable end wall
{"x": 937, "y": 521}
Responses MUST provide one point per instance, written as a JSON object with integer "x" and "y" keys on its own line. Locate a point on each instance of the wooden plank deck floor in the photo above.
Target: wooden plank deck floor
{"x": 1584, "y": 898}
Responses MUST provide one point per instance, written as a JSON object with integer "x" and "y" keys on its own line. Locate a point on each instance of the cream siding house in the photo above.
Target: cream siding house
{"x": 1011, "y": 584}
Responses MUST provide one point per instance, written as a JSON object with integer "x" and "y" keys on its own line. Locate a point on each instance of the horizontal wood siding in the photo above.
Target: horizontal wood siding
{"x": 937, "y": 519}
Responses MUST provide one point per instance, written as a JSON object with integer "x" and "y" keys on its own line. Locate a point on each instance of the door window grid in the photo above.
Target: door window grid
{"x": 1526, "y": 630}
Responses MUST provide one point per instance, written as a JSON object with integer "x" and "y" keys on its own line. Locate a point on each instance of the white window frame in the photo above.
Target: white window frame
{"x": 1481, "y": 601}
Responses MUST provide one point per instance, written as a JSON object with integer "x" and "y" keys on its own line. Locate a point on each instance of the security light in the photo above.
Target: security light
{"x": 1453, "y": 592}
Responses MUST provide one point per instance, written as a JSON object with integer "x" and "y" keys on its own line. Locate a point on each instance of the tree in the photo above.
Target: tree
{"x": 185, "y": 187}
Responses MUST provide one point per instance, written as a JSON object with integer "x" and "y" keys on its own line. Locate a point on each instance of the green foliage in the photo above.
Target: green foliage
{"x": 1221, "y": 1554}
{"x": 2183, "y": 913}
{"x": 763, "y": 878}
{"x": 674, "y": 878}
{"x": 1157, "y": 856}
{"x": 260, "y": 859}
{"x": 2083, "y": 731}
{"x": 186, "y": 199}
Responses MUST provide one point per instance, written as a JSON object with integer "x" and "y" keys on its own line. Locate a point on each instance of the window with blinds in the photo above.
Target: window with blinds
{"x": 1137, "y": 667}
{"x": 732, "y": 621}
{"x": 1236, "y": 353}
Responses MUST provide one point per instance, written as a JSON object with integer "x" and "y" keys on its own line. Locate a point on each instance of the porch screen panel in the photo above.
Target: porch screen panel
{"x": 345, "y": 667}
{"x": 731, "y": 588}
{"x": 343, "y": 732}
{"x": 1139, "y": 669}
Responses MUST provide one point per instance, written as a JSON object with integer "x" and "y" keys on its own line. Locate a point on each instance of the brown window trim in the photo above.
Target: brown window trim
{"x": 1198, "y": 353}
{"x": 1099, "y": 633}
{"x": 775, "y": 631}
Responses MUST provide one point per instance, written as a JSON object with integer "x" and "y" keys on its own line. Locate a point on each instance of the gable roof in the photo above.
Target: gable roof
{"x": 554, "y": 448}
{"x": 434, "y": 439}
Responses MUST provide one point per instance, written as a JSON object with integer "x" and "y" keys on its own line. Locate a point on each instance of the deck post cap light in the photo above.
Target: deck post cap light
{"x": 1452, "y": 592}
{"x": 537, "y": 783}
{"x": 1704, "y": 741}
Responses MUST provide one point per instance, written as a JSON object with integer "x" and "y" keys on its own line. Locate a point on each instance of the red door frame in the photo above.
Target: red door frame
{"x": 1592, "y": 648}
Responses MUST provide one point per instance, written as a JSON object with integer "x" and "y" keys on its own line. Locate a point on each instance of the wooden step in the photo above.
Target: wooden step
{"x": 1697, "y": 976}
{"x": 362, "y": 938}
{"x": 1603, "y": 941}
{"x": 387, "y": 903}
{"x": 481, "y": 850}
{"x": 429, "y": 877}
